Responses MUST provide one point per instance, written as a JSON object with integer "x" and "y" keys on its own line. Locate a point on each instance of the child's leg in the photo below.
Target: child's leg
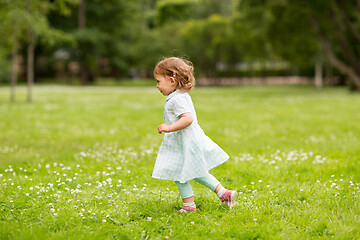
{"x": 185, "y": 189}
{"x": 187, "y": 196}
{"x": 209, "y": 181}
{"x": 228, "y": 197}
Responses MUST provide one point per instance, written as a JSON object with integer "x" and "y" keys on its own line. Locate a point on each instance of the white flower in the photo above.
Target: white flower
{"x": 104, "y": 221}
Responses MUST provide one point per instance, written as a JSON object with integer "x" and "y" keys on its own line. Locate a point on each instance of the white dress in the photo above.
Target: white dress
{"x": 188, "y": 153}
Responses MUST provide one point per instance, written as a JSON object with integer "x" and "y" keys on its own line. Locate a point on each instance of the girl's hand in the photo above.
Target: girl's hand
{"x": 163, "y": 128}
{"x": 184, "y": 121}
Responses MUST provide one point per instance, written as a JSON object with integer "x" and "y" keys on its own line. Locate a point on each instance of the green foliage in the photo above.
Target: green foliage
{"x": 153, "y": 46}
{"x": 5, "y": 68}
{"x": 305, "y": 32}
{"x": 169, "y": 11}
{"x": 134, "y": 34}
{"x": 32, "y": 15}
{"x": 205, "y": 41}
{"x": 21, "y": 17}
{"x": 14, "y": 18}
{"x": 290, "y": 33}
{"x": 109, "y": 32}
{"x": 77, "y": 164}
{"x": 250, "y": 22}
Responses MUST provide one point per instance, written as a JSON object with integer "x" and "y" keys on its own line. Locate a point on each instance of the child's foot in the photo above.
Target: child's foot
{"x": 186, "y": 209}
{"x": 229, "y": 198}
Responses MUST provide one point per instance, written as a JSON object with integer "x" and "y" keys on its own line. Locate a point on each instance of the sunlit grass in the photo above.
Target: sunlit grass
{"x": 77, "y": 162}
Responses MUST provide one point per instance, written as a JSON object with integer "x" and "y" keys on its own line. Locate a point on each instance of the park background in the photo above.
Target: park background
{"x": 87, "y": 42}
{"x": 277, "y": 88}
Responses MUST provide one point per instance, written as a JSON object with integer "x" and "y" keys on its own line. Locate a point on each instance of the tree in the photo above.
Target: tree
{"x": 205, "y": 42}
{"x": 103, "y": 30}
{"x": 170, "y": 10}
{"x": 13, "y": 17}
{"x": 339, "y": 37}
{"x": 306, "y": 32}
{"x": 26, "y": 21}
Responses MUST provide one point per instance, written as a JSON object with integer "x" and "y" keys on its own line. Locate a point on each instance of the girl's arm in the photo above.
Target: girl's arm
{"x": 184, "y": 121}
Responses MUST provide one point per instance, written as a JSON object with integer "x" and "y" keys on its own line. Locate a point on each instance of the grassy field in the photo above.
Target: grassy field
{"x": 77, "y": 162}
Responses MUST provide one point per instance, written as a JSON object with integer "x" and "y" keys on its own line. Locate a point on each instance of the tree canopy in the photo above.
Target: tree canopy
{"x": 117, "y": 38}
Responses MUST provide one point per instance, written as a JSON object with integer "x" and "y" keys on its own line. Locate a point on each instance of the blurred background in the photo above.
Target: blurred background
{"x": 230, "y": 42}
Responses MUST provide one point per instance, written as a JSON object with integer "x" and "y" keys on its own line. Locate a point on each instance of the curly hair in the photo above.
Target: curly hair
{"x": 180, "y": 69}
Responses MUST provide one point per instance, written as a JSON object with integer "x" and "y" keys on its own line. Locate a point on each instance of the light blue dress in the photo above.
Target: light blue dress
{"x": 188, "y": 153}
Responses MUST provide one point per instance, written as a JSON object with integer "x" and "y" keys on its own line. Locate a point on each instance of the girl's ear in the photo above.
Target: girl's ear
{"x": 173, "y": 81}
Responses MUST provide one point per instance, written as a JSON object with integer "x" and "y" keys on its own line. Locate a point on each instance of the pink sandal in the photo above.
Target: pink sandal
{"x": 229, "y": 198}
{"x": 186, "y": 209}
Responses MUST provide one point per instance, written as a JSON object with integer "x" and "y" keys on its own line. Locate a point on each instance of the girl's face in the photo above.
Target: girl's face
{"x": 166, "y": 85}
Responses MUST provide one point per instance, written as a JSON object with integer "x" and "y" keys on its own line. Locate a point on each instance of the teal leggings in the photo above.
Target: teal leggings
{"x": 186, "y": 190}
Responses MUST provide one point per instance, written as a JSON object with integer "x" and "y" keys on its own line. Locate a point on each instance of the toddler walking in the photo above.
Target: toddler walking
{"x": 186, "y": 153}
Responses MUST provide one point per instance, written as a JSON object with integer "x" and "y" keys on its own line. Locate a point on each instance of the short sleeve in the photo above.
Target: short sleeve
{"x": 181, "y": 105}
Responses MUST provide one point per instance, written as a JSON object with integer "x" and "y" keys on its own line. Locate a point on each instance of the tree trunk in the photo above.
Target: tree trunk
{"x": 13, "y": 71}
{"x": 87, "y": 76}
{"x": 344, "y": 16}
{"x": 85, "y": 72}
{"x": 342, "y": 67}
{"x": 318, "y": 76}
{"x": 334, "y": 60}
{"x": 30, "y": 64}
{"x": 346, "y": 44}
{"x": 82, "y": 15}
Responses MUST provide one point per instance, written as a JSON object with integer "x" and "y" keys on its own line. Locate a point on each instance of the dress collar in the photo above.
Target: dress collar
{"x": 174, "y": 93}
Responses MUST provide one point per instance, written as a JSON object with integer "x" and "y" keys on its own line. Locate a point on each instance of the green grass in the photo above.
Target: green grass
{"x": 77, "y": 162}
